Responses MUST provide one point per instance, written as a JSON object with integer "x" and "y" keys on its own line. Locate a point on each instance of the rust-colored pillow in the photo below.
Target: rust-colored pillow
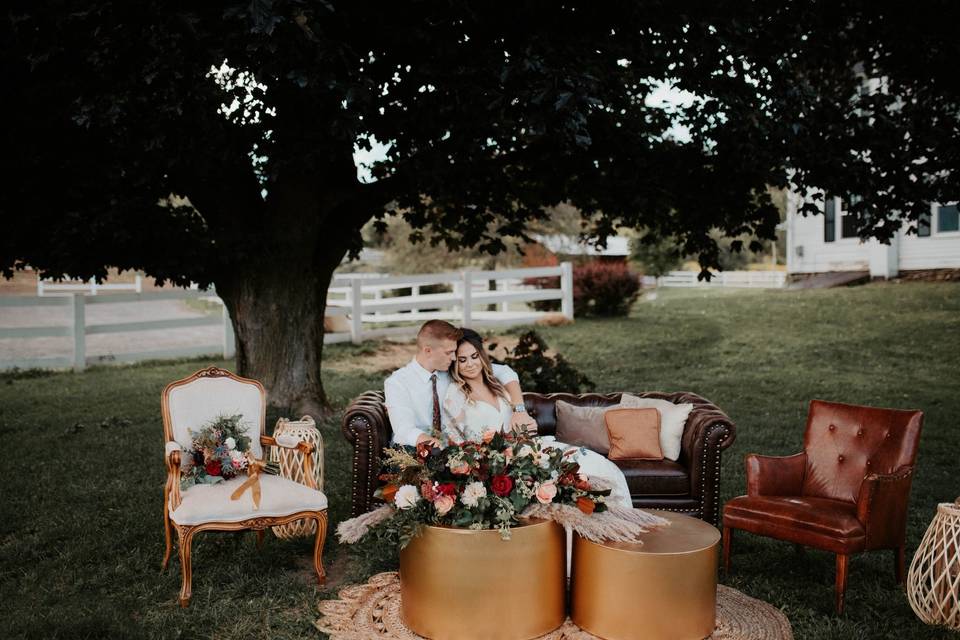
{"x": 634, "y": 434}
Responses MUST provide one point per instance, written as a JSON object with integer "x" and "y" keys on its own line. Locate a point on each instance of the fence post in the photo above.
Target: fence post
{"x": 138, "y": 281}
{"x": 502, "y": 286}
{"x": 356, "y": 305}
{"x": 566, "y": 287}
{"x": 229, "y": 338}
{"x": 93, "y": 286}
{"x": 79, "y": 332}
{"x": 467, "y": 298}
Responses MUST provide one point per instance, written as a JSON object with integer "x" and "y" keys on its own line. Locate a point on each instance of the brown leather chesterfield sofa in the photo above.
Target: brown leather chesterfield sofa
{"x": 691, "y": 485}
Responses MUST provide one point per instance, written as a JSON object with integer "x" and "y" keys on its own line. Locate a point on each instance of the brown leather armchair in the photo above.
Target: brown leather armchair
{"x": 691, "y": 485}
{"x": 846, "y": 492}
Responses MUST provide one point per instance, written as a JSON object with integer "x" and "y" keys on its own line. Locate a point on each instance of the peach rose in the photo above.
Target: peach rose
{"x": 459, "y": 467}
{"x": 546, "y": 492}
{"x": 487, "y": 436}
{"x": 443, "y": 504}
{"x": 508, "y": 454}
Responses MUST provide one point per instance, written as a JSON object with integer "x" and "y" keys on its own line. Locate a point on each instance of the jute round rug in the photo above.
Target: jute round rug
{"x": 371, "y": 611}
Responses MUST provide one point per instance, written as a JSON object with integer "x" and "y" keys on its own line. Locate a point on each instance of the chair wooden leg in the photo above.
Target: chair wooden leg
{"x": 727, "y": 543}
{"x": 899, "y": 557}
{"x": 167, "y": 533}
{"x": 185, "y": 535}
{"x": 318, "y": 547}
{"x": 260, "y": 533}
{"x": 841, "y": 587}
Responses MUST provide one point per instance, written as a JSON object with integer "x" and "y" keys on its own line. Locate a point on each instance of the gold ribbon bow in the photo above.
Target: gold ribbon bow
{"x": 254, "y": 468}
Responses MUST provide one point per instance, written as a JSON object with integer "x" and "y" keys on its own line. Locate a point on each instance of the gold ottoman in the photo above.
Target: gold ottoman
{"x": 664, "y": 589}
{"x": 461, "y": 583}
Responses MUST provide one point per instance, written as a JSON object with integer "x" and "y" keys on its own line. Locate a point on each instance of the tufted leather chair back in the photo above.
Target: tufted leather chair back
{"x": 844, "y": 443}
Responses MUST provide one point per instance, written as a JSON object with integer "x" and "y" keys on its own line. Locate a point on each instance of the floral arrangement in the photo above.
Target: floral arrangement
{"x": 490, "y": 484}
{"x": 218, "y": 452}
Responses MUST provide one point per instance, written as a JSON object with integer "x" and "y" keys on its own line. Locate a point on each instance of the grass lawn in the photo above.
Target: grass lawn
{"x": 81, "y": 534}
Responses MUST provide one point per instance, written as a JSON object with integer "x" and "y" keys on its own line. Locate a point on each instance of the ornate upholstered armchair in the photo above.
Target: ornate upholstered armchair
{"x": 186, "y": 405}
{"x": 846, "y": 492}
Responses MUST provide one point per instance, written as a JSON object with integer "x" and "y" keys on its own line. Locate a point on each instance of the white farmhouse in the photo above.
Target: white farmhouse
{"x": 829, "y": 242}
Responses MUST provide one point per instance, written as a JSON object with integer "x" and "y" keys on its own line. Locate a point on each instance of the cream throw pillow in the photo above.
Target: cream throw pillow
{"x": 673, "y": 418}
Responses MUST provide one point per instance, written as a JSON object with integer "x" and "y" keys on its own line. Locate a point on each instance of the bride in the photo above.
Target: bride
{"x": 476, "y": 402}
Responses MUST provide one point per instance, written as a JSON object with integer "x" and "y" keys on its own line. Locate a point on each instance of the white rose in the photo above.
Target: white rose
{"x": 525, "y": 450}
{"x": 231, "y": 443}
{"x": 236, "y": 455}
{"x": 472, "y": 494}
{"x": 407, "y": 496}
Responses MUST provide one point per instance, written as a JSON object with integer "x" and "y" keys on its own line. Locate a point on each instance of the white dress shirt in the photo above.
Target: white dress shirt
{"x": 409, "y": 399}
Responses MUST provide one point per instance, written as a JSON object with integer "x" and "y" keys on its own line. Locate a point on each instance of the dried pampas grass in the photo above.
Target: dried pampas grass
{"x": 350, "y": 531}
{"x": 616, "y": 524}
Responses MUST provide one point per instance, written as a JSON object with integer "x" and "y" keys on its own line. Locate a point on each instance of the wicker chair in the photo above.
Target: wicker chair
{"x": 186, "y": 405}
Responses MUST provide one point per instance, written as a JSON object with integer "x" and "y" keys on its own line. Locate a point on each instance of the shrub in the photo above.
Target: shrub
{"x": 542, "y": 373}
{"x": 604, "y": 289}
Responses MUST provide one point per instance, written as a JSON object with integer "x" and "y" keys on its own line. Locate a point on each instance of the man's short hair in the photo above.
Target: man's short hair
{"x": 434, "y": 331}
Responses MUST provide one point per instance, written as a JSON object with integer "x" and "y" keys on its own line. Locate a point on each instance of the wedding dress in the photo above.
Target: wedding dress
{"x": 468, "y": 419}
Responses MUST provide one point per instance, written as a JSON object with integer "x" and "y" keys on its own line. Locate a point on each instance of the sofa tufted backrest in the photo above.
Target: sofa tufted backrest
{"x": 845, "y": 442}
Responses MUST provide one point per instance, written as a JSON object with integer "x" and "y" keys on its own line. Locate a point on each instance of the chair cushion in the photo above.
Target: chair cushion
{"x": 279, "y": 497}
{"x": 817, "y": 522}
{"x": 655, "y": 477}
{"x": 634, "y": 434}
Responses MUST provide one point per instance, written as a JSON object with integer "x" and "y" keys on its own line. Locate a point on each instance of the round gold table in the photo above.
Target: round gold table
{"x": 465, "y": 584}
{"x": 664, "y": 589}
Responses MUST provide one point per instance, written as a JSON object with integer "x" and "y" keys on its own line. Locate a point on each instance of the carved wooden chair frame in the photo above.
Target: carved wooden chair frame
{"x": 185, "y": 533}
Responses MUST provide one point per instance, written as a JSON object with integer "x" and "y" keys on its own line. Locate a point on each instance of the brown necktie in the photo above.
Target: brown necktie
{"x": 436, "y": 406}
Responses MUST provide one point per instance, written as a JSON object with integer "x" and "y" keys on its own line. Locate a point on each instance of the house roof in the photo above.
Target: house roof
{"x": 573, "y": 246}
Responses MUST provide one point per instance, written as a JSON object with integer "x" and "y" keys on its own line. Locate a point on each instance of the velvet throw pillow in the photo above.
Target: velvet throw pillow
{"x": 582, "y": 427}
{"x": 673, "y": 419}
{"x": 634, "y": 434}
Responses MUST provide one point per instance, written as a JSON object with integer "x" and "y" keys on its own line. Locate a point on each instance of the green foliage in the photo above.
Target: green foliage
{"x": 656, "y": 255}
{"x": 604, "y": 289}
{"x": 541, "y": 372}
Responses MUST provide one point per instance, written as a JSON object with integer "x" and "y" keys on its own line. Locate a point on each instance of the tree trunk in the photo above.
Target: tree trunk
{"x": 277, "y": 307}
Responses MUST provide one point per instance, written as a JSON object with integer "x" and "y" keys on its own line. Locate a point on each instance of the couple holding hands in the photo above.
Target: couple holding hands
{"x": 451, "y": 392}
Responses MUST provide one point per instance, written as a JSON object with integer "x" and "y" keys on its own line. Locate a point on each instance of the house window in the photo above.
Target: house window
{"x": 848, "y": 221}
{"x": 948, "y": 219}
{"x": 829, "y": 219}
{"x": 923, "y": 225}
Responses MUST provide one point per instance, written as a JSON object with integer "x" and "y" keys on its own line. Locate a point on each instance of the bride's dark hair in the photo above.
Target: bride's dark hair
{"x": 486, "y": 368}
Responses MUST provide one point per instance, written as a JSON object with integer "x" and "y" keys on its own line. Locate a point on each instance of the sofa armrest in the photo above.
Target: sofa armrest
{"x": 775, "y": 475}
{"x": 882, "y": 507}
{"x": 366, "y": 426}
{"x": 171, "y": 490}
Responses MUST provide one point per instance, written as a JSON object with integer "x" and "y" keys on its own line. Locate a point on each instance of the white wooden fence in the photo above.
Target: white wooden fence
{"x": 363, "y": 299}
{"x": 382, "y": 303}
{"x": 748, "y": 279}
{"x": 46, "y": 287}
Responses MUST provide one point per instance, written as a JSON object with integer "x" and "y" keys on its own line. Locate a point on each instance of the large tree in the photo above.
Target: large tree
{"x": 119, "y": 151}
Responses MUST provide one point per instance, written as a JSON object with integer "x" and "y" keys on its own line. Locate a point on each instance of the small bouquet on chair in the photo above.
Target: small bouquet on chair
{"x": 220, "y": 452}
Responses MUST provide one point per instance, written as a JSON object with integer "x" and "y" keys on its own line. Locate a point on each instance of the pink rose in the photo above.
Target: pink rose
{"x": 459, "y": 467}
{"x": 508, "y": 454}
{"x": 546, "y": 492}
{"x": 443, "y": 504}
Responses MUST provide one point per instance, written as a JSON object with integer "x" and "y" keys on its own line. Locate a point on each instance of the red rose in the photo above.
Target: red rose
{"x": 447, "y": 489}
{"x": 213, "y": 468}
{"x": 502, "y": 485}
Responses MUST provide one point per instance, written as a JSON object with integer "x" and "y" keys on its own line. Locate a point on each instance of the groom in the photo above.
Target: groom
{"x": 414, "y": 392}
